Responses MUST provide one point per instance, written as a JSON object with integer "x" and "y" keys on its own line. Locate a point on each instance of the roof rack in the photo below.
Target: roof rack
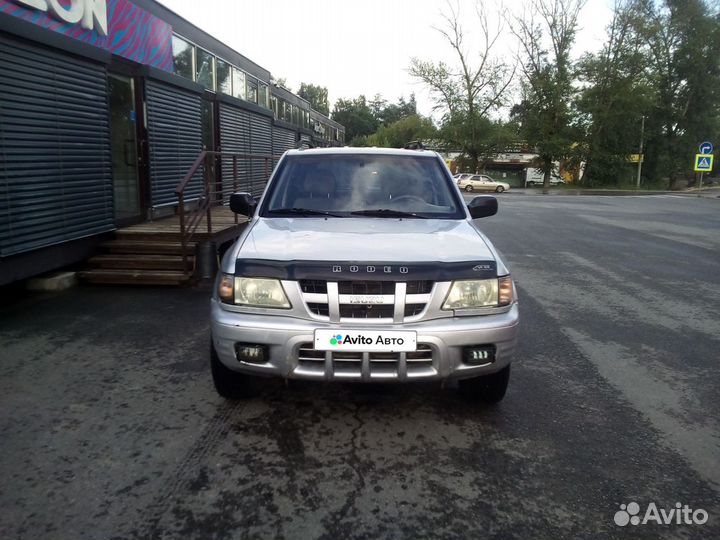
{"x": 414, "y": 145}
{"x": 304, "y": 144}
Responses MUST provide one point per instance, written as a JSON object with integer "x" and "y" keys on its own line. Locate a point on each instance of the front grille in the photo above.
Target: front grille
{"x": 379, "y": 303}
{"x": 314, "y": 286}
{"x": 366, "y": 287}
{"x": 419, "y": 287}
{"x": 380, "y": 365}
{"x": 413, "y": 309}
{"x": 376, "y": 311}
{"x": 319, "y": 309}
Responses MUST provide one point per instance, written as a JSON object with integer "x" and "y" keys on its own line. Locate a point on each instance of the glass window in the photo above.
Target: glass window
{"x": 275, "y": 105}
{"x": 205, "y": 71}
{"x": 288, "y": 112}
{"x": 252, "y": 89}
{"x": 358, "y": 184}
{"x": 238, "y": 83}
{"x": 224, "y": 77}
{"x": 182, "y": 57}
{"x": 263, "y": 95}
{"x": 296, "y": 115}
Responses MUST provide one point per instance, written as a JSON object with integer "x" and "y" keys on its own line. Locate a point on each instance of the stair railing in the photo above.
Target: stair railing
{"x": 214, "y": 193}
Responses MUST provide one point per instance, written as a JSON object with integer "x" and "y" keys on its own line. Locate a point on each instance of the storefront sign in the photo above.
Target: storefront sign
{"x": 118, "y": 26}
{"x": 88, "y": 13}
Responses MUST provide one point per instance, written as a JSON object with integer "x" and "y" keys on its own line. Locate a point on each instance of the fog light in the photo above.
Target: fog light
{"x": 479, "y": 354}
{"x": 251, "y": 353}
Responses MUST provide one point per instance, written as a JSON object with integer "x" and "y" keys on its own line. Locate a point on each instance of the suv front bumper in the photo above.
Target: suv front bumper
{"x": 289, "y": 339}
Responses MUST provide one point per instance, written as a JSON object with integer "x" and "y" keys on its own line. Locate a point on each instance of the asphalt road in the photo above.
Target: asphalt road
{"x": 110, "y": 428}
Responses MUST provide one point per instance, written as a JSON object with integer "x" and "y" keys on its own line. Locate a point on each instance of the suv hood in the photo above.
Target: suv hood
{"x": 367, "y": 239}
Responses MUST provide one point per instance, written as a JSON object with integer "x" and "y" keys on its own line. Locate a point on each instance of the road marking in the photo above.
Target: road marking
{"x": 658, "y": 401}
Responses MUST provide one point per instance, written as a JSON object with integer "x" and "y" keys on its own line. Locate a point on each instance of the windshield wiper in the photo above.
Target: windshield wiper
{"x": 386, "y": 212}
{"x": 302, "y": 212}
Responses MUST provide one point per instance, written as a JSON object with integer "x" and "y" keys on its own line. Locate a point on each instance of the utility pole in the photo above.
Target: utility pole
{"x": 640, "y": 156}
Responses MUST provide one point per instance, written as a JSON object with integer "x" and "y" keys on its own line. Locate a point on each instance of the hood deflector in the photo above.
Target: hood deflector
{"x": 364, "y": 270}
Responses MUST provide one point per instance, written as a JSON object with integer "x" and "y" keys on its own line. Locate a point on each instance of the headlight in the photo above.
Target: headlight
{"x": 256, "y": 292}
{"x": 479, "y": 293}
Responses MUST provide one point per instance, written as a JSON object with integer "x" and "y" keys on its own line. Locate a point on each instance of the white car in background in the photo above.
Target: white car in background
{"x": 481, "y": 182}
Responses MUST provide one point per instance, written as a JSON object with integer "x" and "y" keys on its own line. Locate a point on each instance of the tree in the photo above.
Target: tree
{"x": 397, "y": 134}
{"x": 356, "y": 116}
{"x": 548, "y": 78}
{"x": 317, "y": 96}
{"x": 469, "y": 91}
{"x": 615, "y": 96}
{"x": 388, "y": 113}
{"x": 682, "y": 47}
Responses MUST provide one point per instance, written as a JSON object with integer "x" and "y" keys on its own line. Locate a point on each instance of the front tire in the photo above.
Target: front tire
{"x": 499, "y": 189}
{"x": 468, "y": 188}
{"x": 488, "y": 388}
{"x": 228, "y": 383}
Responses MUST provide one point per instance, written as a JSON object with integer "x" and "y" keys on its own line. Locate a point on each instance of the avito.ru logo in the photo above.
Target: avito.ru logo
{"x": 680, "y": 515}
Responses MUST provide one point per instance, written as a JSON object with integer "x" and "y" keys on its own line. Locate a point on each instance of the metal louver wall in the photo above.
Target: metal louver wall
{"x": 283, "y": 139}
{"x": 55, "y": 168}
{"x": 175, "y": 140}
{"x": 234, "y": 137}
{"x": 260, "y": 143}
{"x": 246, "y": 133}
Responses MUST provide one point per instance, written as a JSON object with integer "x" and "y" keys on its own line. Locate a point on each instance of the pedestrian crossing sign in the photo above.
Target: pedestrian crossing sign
{"x": 703, "y": 162}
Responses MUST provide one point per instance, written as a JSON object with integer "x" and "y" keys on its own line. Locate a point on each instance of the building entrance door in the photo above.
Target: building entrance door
{"x": 124, "y": 149}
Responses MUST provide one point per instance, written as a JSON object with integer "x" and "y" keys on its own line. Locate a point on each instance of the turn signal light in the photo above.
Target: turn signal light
{"x": 225, "y": 289}
{"x": 505, "y": 291}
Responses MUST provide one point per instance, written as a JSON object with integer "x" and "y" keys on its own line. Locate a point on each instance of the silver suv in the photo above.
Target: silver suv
{"x": 363, "y": 265}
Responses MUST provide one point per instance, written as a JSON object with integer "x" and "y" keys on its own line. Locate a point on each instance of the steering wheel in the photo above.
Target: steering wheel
{"x": 415, "y": 198}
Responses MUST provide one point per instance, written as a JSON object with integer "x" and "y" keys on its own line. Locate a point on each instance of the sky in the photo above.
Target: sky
{"x": 355, "y": 47}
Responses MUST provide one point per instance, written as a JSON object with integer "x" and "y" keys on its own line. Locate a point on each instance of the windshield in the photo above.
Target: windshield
{"x": 367, "y": 185}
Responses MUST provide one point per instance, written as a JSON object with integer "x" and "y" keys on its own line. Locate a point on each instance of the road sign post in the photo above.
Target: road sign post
{"x": 704, "y": 162}
{"x": 701, "y": 160}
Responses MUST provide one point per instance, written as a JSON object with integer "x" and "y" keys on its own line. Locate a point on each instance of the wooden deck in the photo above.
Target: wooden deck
{"x": 225, "y": 225}
{"x": 151, "y": 253}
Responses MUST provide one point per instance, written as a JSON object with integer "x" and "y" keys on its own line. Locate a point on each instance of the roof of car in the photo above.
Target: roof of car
{"x": 361, "y": 150}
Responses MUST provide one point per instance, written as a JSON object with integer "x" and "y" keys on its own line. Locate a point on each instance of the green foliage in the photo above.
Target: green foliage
{"x": 682, "y": 48}
{"x": 547, "y": 35}
{"x": 379, "y": 123}
{"x": 357, "y": 117}
{"x": 397, "y": 134}
{"x": 616, "y": 93}
{"x": 660, "y": 62}
{"x": 317, "y": 96}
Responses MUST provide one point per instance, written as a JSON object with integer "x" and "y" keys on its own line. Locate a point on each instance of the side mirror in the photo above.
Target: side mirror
{"x": 243, "y": 203}
{"x": 483, "y": 206}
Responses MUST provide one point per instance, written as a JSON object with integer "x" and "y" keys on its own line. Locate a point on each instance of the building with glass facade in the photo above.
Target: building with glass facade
{"x": 104, "y": 107}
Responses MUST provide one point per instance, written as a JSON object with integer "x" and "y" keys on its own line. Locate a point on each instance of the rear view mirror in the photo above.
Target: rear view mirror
{"x": 243, "y": 203}
{"x": 483, "y": 206}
